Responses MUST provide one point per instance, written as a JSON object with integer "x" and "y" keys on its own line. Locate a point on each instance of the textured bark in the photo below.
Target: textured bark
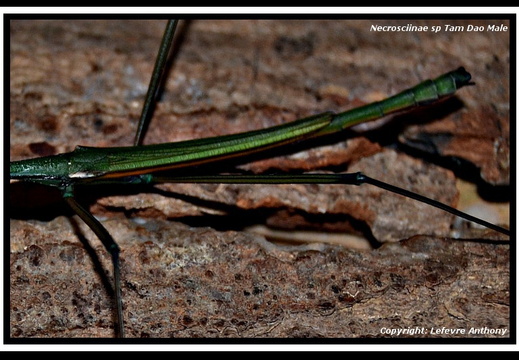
{"x": 185, "y": 282}
{"x": 82, "y": 83}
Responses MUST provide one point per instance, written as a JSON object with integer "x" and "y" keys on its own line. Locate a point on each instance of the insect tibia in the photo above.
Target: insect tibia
{"x": 397, "y": 190}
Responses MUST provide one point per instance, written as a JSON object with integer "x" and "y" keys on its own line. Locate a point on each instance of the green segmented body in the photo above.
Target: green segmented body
{"x": 89, "y": 163}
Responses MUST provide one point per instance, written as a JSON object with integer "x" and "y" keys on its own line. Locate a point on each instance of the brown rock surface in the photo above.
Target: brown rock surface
{"x": 82, "y": 83}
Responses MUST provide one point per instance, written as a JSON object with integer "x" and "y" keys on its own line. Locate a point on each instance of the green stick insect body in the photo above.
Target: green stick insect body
{"x": 91, "y": 164}
{"x": 87, "y": 166}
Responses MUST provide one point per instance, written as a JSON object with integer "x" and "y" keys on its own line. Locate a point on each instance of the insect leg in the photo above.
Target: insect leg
{"x": 158, "y": 70}
{"x": 110, "y": 246}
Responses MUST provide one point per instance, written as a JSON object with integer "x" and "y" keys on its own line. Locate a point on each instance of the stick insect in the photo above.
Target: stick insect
{"x": 307, "y": 127}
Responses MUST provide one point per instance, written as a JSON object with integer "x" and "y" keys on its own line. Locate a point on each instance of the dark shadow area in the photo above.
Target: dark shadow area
{"x": 467, "y": 171}
{"x": 387, "y": 134}
{"x": 34, "y": 201}
{"x": 98, "y": 266}
{"x": 238, "y": 219}
{"x": 49, "y": 204}
{"x": 426, "y": 149}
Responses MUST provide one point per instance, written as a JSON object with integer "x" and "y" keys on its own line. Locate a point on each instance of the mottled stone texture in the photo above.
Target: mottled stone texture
{"x": 186, "y": 282}
{"x": 188, "y": 268}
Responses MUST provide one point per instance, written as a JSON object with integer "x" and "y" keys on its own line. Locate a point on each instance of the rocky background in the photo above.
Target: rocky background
{"x": 340, "y": 261}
